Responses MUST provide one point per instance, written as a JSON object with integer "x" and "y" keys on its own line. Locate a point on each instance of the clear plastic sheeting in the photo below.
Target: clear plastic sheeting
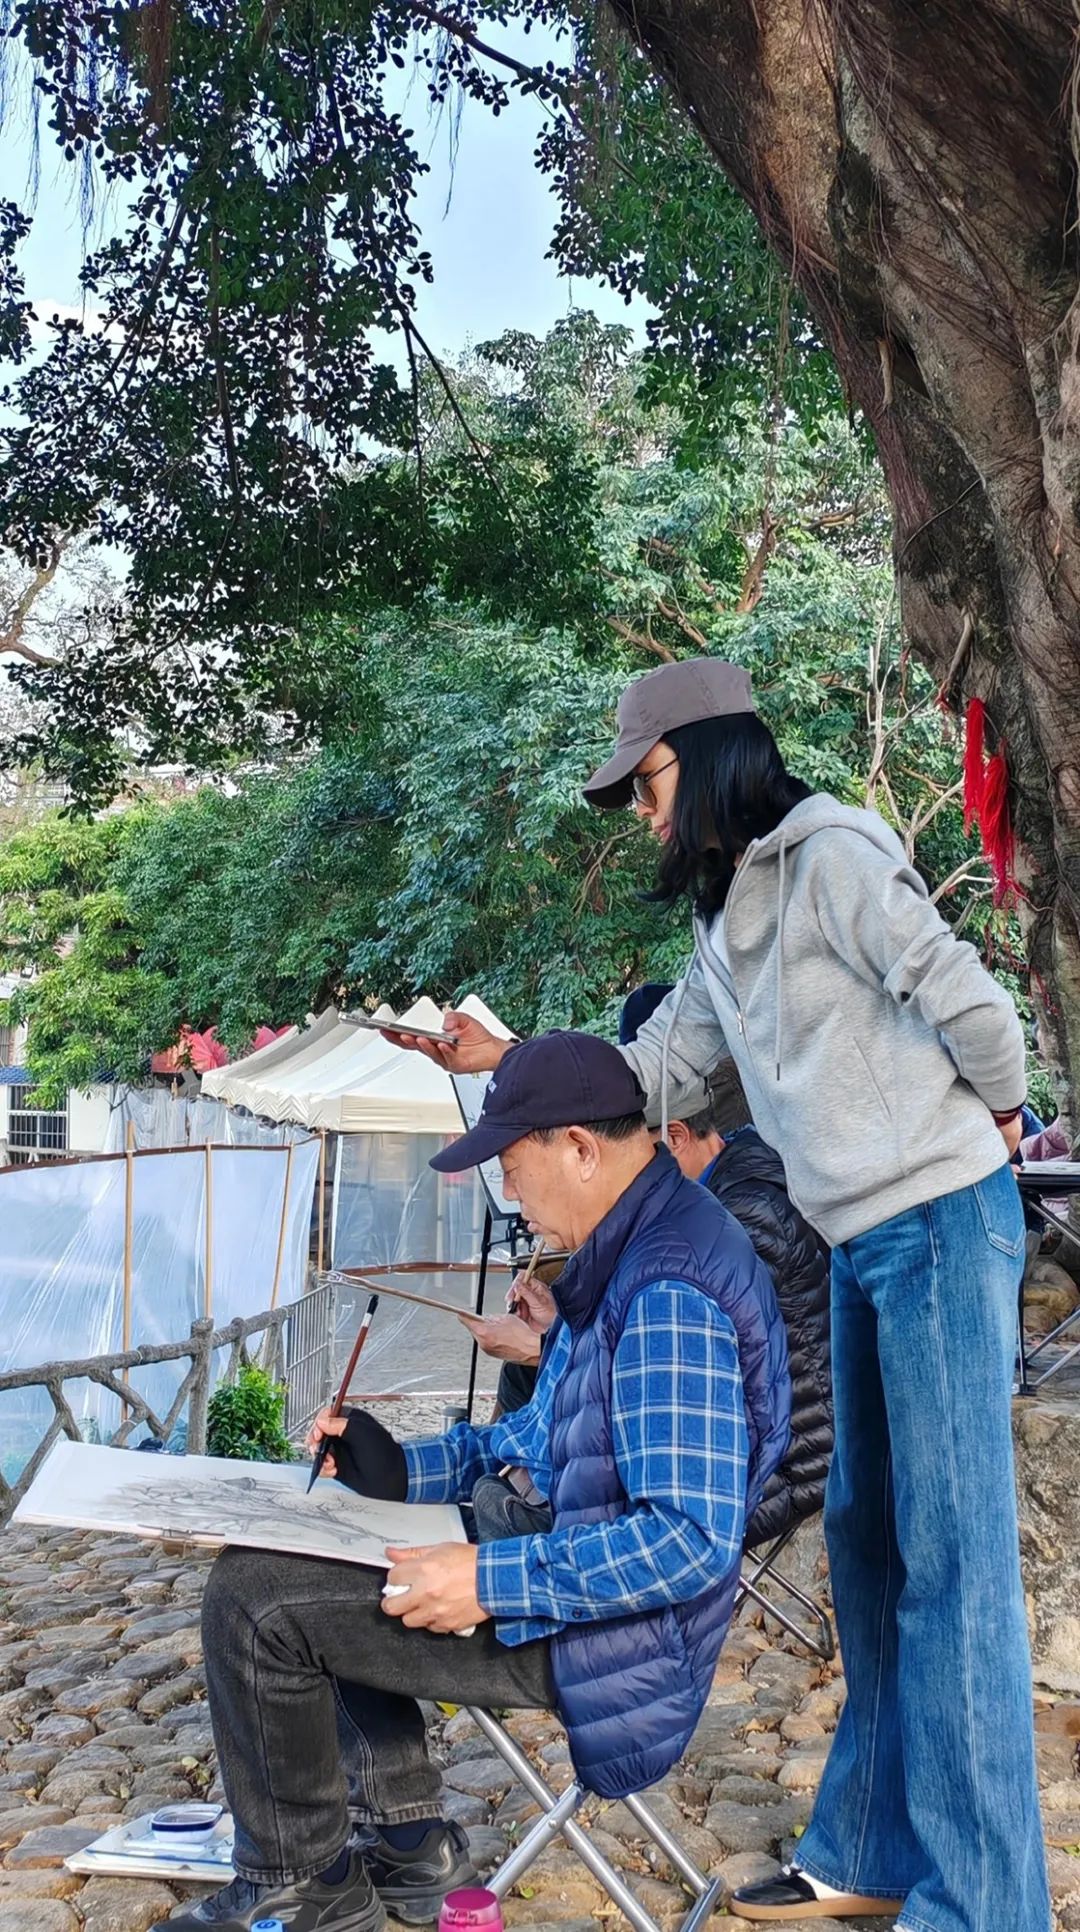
{"x": 160, "y": 1118}
{"x": 389, "y": 1205}
{"x": 211, "y": 1233}
{"x": 417, "y": 1351}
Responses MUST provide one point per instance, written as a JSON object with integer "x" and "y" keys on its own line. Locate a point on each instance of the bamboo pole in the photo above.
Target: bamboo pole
{"x": 129, "y": 1242}
{"x": 284, "y": 1225}
{"x": 322, "y": 1200}
{"x": 208, "y": 1260}
{"x": 129, "y": 1229}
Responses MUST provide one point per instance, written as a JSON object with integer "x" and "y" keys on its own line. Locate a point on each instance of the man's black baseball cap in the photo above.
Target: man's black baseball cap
{"x": 555, "y": 1080}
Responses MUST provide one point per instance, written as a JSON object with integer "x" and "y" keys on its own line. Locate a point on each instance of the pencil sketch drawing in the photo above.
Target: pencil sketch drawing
{"x": 209, "y": 1500}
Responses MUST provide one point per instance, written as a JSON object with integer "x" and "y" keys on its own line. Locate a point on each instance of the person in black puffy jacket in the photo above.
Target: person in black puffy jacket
{"x": 712, "y": 1144}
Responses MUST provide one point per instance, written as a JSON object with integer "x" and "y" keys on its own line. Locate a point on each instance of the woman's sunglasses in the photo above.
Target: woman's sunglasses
{"x": 641, "y": 785}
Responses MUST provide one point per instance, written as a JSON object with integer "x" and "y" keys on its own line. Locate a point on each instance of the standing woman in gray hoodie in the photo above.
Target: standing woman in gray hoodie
{"x": 887, "y": 1068}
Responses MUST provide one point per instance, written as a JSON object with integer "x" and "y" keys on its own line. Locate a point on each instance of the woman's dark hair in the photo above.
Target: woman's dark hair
{"x": 733, "y": 787}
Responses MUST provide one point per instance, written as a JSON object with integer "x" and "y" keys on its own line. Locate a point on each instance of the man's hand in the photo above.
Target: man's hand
{"x": 441, "y": 1587}
{"x": 364, "y": 1456}
{"x": 534, "y": 1304}
{"x": 325, "y": 1424}
{"x": 476, "y": 1050}
{"x": 1012, "y": 1133}
{"x": 506, "y": 1337}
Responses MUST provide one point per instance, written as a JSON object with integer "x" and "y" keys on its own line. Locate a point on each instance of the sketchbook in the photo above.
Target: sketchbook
{"x": 210, "y": 1501}
{"x": 368, "y": 1280}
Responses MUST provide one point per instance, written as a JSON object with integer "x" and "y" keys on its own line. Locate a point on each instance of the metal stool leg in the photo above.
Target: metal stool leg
{"x": 536, "y": 1840}
{"x": 709, "y": 1892}
{"x": 764, "y": 1569}
{"x": 579, "y": 1841}
{"x": 823, "y": 1646}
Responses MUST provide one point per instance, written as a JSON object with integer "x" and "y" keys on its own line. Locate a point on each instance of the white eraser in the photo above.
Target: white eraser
{"x": 402, "y": 1590}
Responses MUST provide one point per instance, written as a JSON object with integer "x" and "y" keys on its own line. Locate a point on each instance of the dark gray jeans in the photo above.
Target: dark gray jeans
{"x": 312, "y": 1693}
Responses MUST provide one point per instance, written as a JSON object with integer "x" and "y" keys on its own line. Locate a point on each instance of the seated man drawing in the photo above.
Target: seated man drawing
{"x": 661, "y": 1411}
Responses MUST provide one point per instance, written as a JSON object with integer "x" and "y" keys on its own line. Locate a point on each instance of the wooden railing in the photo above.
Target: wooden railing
{"x": 259, "y": 1339}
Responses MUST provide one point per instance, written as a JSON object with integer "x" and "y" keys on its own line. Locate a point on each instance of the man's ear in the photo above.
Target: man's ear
{"x": 678, "y": 1135}
{"x": 586, "y": 1150}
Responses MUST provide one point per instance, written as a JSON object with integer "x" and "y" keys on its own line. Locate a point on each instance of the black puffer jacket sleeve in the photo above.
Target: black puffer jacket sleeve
{"x": 748, "y": 1179}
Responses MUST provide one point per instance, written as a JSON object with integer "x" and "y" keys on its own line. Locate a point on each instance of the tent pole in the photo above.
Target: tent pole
{"x": 129, "y": 1238}
{"x": 208, "y": 1258}
{"x": 322, "y": 1200}
{"x": 485, "y": 1251}
{"x": 284, "y": 1225}
{"x": 129, "y": 1230}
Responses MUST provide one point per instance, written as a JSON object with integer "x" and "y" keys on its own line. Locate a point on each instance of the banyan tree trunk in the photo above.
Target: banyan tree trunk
{"x": 911, "y": 162}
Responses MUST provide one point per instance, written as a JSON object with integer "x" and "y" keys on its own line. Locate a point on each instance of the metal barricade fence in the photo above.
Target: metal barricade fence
{"x": 294, "y": 1344}
{"x": 309, "y": 1355}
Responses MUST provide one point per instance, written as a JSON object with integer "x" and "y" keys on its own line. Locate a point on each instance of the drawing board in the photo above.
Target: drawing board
{"x": 211, "y": 1501}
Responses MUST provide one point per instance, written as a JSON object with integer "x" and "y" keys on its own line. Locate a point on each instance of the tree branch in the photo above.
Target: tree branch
{"x": 969, "y": 869}
{"x": 675, "y": 616}
{"x": 659, "y": 546}
{"x": 967, "y": 632}
{"x": 753, "y": 582}
{"x": 538, "y": 79}
{"x": 12, "y": 638}
{"x": 920, "y": 822}
{"x": 595, "y": 869}
{"x": 460, "y": 31}
{"x": 459, "y": 415}
{"x": 643, "y": 642}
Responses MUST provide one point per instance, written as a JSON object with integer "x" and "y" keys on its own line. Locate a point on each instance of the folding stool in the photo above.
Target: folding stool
{"x": 558, "y": 1820}
{"x": 763, "y": 1570}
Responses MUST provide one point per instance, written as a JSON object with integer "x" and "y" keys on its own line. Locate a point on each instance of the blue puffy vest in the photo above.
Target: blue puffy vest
{"x": 631, "y": 1689}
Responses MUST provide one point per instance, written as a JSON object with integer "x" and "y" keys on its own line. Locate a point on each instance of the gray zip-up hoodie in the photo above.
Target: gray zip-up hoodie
{"x": 871, "y": 1042}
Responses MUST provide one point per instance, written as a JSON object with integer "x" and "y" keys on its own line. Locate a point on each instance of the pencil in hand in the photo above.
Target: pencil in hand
{"x": 338, "y": 1403}
{"x": 512, "y": 1298}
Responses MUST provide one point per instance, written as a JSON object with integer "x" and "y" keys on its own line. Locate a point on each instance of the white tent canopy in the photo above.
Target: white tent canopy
{"x": 349, "y": 1080}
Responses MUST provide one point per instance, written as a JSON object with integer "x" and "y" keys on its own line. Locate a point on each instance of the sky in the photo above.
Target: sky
{"x": 486, "y": 215}
{"x": 489, "y": 245}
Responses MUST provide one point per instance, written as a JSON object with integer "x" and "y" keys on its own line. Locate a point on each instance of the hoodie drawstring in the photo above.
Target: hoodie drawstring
{"x": 665, "y": 1050}
{"x": 778, "y": 1043}
{"x": 778, "y": 1039}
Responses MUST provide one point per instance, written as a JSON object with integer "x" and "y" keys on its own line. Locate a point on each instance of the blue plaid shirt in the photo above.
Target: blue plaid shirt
{"x": 679, "y": 1434}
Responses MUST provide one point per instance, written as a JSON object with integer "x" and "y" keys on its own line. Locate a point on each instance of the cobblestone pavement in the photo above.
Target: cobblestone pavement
{"x": 103, "y": 1716}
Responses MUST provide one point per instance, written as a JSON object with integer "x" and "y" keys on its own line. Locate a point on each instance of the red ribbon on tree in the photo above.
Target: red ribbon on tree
{"x": 974, "y": 761}
{"x": 986, "y": 800}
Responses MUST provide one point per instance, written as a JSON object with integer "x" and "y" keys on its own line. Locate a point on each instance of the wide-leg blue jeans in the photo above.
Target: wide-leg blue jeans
{"x": 929, "y": 1793}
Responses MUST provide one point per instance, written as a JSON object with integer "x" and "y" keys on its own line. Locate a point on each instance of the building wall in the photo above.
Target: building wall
{"x": 88, "y": 1121}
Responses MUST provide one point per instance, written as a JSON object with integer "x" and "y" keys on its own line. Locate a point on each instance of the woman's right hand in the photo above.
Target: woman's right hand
{"x": 477, "y": 1050}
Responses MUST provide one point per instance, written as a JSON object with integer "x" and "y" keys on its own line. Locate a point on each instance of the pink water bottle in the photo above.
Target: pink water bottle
{"x": 474, "y": 1906}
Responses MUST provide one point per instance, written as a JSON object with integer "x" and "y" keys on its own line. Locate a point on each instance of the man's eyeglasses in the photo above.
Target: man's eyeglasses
{"x": 641, "y": 785}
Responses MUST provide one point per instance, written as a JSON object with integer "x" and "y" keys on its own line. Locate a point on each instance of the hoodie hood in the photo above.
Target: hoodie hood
{"x": 821, "y": 813}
